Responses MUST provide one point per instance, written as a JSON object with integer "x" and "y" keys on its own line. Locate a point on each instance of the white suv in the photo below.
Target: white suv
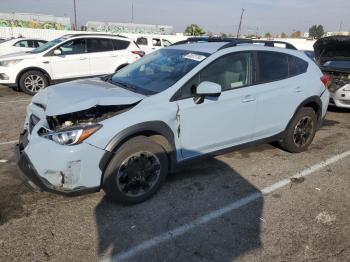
{"x": 150, "y": 44}
{"x": 66, "y": 58}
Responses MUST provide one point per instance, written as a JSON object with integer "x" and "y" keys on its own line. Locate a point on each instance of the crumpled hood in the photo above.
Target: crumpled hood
{"x": 18, "y": 55}
{"x": 83, "y": 94}
{"x": 332, "y": 48}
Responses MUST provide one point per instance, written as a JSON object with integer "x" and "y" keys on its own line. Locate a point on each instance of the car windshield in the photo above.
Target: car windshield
{"x": 46, "y": 46}
{"x": 157, "y": 71}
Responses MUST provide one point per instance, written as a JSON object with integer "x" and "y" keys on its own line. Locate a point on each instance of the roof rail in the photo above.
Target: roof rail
{"x": 269, "y": 43}
{"x": 93, "y": 34}
{"x": 231, "y": 42}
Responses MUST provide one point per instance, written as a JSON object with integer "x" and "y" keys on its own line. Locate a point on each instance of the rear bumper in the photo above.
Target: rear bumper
{"x": 29, "y": 175}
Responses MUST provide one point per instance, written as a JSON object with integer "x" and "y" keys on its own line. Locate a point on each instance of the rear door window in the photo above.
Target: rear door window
{"x": 272, "y": 66}
{"x": 100, "y": 45}
{"x": 120, "y": 44}
{"x": 23, "y": 43}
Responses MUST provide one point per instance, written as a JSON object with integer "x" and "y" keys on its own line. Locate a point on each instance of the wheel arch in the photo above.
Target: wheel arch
{"x": 313, "y": 102}
{"x": 33, "y": 68}
{"x": 157, "y": 131}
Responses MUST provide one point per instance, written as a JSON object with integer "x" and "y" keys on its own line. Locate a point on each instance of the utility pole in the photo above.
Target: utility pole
{"x": 240, "y": 23}
{"x": 75, "y": 15}
{"x": 132, "y": 12}
{"x": 341, "y": 26}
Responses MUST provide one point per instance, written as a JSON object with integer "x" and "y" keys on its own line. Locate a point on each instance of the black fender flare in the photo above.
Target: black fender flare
{"x": 311, "y": 100}
{"x": 33, "y": 68}
{"x": 145, "y": 128}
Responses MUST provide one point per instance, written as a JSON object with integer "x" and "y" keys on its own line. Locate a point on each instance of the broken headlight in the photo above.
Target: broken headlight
{"x": 71, "y": 136}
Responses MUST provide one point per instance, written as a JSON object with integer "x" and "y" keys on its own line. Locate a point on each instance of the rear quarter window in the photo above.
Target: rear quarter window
{"x": 142, "y": 41}
{"x": 297, "y": 66}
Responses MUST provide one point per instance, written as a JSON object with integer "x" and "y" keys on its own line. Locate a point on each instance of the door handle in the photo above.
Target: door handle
{"x": 82, "y": 58}
{"x": 248, "y": 98}
{"x": 298, "y": 89}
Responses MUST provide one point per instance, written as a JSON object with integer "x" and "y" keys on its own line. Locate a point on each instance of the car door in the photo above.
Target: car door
{"x": 102, "y": 56}
{"x": 223, "y": 121}
{"x": 278, "y": 94}
{"x": 73, "y": 62}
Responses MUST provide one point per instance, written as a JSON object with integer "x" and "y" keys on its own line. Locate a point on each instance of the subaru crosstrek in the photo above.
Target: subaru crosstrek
{"x": 125, "y": 132}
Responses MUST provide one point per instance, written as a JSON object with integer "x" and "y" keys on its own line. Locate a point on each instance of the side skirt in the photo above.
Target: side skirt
{"x": 271, "y": 139}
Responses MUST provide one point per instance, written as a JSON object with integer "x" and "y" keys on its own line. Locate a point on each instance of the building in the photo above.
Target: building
{"x": 120, "y": 28}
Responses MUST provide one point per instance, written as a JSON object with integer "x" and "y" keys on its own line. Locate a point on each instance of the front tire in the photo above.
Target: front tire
{"x": 136, "y": 171}
{"x": 301, "y": 131}
{"x": 32, "y": 82}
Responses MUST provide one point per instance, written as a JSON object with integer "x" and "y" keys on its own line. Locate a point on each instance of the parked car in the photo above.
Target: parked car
{"x": 66, "y": 58}
{"x": 150, "y": 44}
{"x": 126, "y": 131}
{"x": 310, "y": 54}
{"x": 333, "y": 55}
{"x": 16, "y": 45}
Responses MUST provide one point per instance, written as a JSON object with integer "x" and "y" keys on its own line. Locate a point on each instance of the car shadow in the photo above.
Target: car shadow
{"x": 192, "y": 192}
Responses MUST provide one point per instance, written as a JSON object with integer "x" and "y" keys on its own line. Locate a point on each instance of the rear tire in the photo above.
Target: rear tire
{"x": 32, "y": 82}
{"x": 301, "y": 131}
{"x": 136, "y": 171}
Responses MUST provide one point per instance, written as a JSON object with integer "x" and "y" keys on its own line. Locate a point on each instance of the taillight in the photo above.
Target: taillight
{"x": 325, "y": 80}
{"x": 140, "y": 53}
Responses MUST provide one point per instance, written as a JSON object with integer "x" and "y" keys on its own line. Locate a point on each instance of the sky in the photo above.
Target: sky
{"x": 216, "y": 16}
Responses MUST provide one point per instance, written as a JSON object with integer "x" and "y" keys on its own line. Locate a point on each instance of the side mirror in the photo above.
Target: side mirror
{"x": 57, "y": 52}
{"x": 207, "y": 88}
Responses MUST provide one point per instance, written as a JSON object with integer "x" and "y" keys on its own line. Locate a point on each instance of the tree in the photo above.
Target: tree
{"x": 194, "y": 30}
{"x": 223, "y": 34}
{"x": 268, "y": 35}
{"x": 316, "y": 31}
{"x": 296, "y": 34}
{"x": 284, "y": 35}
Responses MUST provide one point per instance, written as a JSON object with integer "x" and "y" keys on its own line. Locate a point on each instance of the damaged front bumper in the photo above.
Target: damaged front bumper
{"x": 43, "y": 168}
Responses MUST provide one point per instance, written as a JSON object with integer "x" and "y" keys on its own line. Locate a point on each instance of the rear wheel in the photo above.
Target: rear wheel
{"x": 301, "y": 131}
{"x": 32, "y": 82}
{"x": 136, "y": 171}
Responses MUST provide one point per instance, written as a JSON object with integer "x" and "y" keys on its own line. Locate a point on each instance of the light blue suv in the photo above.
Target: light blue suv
{"x": 125, "y": 132}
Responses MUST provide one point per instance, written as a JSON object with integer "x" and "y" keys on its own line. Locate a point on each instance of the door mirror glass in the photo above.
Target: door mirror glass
{"x": 57, "y": 52}
{"x": 207, "y": 88}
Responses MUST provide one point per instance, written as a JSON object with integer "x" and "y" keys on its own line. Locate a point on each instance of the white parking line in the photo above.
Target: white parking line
{"x": 8, "y": 142}
{"x": 15, "y": 101}
{"x": 126, "y": 255}
{"x": 3, "y": 161}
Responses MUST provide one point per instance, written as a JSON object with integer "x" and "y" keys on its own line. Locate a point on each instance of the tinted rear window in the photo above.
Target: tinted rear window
{"x": 297, "y": 66}
{"x": 99, "y": 45}
{"x": 272, "y": 66}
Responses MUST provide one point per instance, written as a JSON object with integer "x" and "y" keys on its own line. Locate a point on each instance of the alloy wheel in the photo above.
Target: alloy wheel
{"x": 138, "y": 174}
{"x": 34, "y": 83}
{"x": 303, "y": 131}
